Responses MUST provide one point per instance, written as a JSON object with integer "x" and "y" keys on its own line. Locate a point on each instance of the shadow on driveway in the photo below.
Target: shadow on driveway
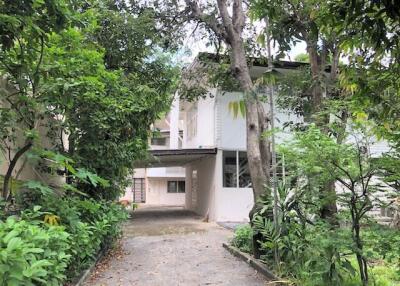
{"x": 169, "y": 246}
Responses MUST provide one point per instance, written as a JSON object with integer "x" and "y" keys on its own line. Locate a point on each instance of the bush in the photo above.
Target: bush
{"x": 98, "y": 226}
{"x": 243, "y": 238}
{"x": 54, "y": 242}
{"x": 33, "y": 253}
{"x": 313, "y": 253}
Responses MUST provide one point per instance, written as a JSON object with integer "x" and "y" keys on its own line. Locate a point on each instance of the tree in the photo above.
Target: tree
{"x": 316, "y": 158}
{"x": 68, "y": 84}
{"x": 309, "y": 21}
{"x": 373, "y": 51}
{"x": 24, "y": 31}
{"x": 372, "y": 73}
{"x": 228, "y": 28}
{"x": 108, "y": 97}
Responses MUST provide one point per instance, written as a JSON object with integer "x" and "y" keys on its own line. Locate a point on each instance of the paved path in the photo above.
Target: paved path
{"x": 172, "y": 247}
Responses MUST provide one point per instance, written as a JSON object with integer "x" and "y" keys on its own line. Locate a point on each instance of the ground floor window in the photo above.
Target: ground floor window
{"x": 236, "y": 170}
{"x": 176, "y": 187}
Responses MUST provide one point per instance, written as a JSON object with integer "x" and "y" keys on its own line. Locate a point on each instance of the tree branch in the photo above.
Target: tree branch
{"x": 238, "y": 16}
{"x": 226, "y": 19}
{"x": 210, "y": 21}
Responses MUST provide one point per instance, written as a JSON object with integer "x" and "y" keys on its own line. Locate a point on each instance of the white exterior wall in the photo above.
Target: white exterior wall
{"x": 231, "y": 132}
{"x": 200, "y": 192}
{"x": 169, "y": 172}
{"x": 174, "y": 123}
{"x": 231, "y": 204}
{"x": 205, "y": 117}
{"x": 208, "y": 198}
{"x": 156, "y": 186}
{"x": 156, "y": 193}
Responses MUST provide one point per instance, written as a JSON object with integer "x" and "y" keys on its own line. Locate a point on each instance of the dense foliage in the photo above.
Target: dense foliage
{"x": 80, "y": 84}
{"x": 62, "y": 75}
{"x": 53, "y": 242}
{"x": 310, "y": 251}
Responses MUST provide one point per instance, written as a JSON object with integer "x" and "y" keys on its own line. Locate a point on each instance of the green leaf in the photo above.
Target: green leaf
{"x": 35, "y": 185}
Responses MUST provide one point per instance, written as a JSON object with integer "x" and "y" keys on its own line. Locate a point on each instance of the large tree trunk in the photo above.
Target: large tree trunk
{"x": 258, "y": 148}
{"x": 241, "y": 72}
{"x": 230, "y": 31}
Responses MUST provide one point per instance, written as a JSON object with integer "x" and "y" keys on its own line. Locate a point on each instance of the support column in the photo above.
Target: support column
{"x": 174, "y": 123}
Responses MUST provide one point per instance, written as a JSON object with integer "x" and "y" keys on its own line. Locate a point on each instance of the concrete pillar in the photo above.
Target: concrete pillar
{"x": 188, "y": 187}
{"x": 174, "y": 123}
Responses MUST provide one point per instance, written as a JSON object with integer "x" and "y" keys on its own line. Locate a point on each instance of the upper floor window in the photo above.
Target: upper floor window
{"x": 192, "y": 122}
{"x": 236, "y": 170}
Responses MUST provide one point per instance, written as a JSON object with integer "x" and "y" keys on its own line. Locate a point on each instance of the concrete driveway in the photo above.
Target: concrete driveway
{"x": 168, "y": 246}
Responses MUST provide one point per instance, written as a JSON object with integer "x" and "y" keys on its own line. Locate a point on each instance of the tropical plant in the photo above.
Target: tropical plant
{"x": 243, "y": 238}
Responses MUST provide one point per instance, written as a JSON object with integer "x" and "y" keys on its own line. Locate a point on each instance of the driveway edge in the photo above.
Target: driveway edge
{"x": 254, "y": 263}
{"x": 85, "y": 274}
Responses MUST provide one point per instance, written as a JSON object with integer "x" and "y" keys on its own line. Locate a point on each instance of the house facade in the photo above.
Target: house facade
{"x": 202, "y": 162}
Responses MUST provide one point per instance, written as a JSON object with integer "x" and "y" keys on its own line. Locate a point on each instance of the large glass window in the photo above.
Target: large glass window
{"x": 235, "y": 170}
{"x": 176, "y": 187}
{"x": 244, "y": 172}
{"x": 230, "y": 169}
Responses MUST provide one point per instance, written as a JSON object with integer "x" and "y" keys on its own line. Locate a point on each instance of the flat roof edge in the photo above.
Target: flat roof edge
{"x": 192, "y": 151}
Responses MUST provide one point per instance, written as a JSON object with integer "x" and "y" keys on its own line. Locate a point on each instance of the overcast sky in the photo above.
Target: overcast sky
{"x": 194, "y": 45}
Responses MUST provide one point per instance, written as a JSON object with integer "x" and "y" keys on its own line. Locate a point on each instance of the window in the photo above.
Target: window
{"x": 236, "y": 170}
{"x": 176, "y": 187}
{"x": 387, "y": 212}
{"x": 192, "y": 122}
{"x": 160, "y": 141}
{"x": 244, "y": 172}
{"x": 230, "y": 170}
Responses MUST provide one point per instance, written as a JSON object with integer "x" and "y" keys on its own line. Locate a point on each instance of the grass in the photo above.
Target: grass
{"x": 382, "y": 274}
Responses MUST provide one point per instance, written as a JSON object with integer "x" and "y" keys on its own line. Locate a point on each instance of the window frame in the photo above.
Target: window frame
{"x": 237, "y": 157}
{"x": 153, "y": 141}
{"x": 177, "y": 183}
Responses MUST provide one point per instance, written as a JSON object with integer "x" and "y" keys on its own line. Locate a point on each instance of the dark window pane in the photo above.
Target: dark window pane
{"x": 229, "y": 169}
{"x": 181, "y": 186}
{"x": 244, "y": 173}
{"x": 172, "y": 187}
{"x": 162, "y": 141}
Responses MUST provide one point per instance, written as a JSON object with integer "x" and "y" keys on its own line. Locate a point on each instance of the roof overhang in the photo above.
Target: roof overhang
{"x": 175, "y": 157}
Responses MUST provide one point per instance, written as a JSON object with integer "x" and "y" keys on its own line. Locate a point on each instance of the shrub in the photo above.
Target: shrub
{"x": 99, "y": 224}
{"x": 32, "y": 253}
{"x": 39, "y": 253}
{"x": 243, "y": 238}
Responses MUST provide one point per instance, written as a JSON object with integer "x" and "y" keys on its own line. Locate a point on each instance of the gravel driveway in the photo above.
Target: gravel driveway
{"x": 170, "y": 246}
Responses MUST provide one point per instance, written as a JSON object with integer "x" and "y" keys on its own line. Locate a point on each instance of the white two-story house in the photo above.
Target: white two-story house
{"x": 200, "y": 159}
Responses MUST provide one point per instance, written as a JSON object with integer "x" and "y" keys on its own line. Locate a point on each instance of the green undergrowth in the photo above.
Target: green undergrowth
{"x": 51, "y": 243}
{"x": 310, "y": 256}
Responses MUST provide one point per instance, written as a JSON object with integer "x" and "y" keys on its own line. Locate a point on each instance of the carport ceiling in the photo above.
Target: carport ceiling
{"x": 175, "y": 157}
